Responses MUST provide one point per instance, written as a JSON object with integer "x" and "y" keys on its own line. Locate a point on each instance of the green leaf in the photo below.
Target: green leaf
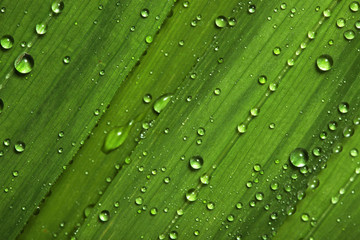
{"x": 181, "y": 120}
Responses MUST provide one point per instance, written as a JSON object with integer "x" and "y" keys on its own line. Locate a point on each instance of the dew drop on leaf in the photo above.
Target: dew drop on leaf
{"x": 343, "y": 107}
{"x": 191, "y": 195}
{"x": 354, "y": 6}
{"x": 324, "y": 63}
{"x": 66, "y": 59}
{"x": 196, "y": 162}
{"x": 41, "y": 28}
{"x": 251, "y": 9}
{"x": 147, "y": 98}
{"x": 24, "y": 63}
{"x": 161, "y": 102}
{"x": 221, "y": 22}
{"x": 7, "y": 42}
{"x": 349, "y": 35}
{"x": 144, "y": 13}
{"x": 57, "y": 7}
{"x": 19, "y": 147}
{"x": 262, "y": 79}
{"x": 104, "y": 216}
{"x": 299, "y": 157}
{"x": 173, "y": 235}
{"x": 116, "y": 137}
{"x": 348, "y": 131}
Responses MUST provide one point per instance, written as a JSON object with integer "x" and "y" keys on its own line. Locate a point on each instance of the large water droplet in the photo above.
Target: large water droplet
{"x": 7, "y": 42}
{"x": 41, "y": 28}
{"x": 57, "y": 7}
{"x": 196, "y": 162}
{"x": 299, "y": 157}
{"x": 221, "y": 22}
{"x": 24, "y": 63}
{"x": 354, "y": 6}
{"x": 19, "y": 147}
{"x": 324, "y": 63}
{"x": 116, "y": 137}
{"x": 161, "y": 102}
{"x": 191, "y": 195}
{"x": 104, "y": 216}
{"x": 343, "y": 107}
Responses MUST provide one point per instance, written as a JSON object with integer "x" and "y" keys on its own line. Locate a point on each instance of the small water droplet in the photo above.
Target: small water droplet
{"x": 277, "y": 51}
{"x": 348, "y": 132}
{"x": 354, "y": 6}
{"x": 251, "y": 9}
{"x": 241, "y": 128}
{"x": 66, "y": 59}
{"x": 147, "y": 98}
{"x": 262, "y": 79}
{"x": 340, "y": 22}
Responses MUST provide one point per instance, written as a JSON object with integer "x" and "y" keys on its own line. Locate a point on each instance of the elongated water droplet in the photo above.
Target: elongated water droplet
{"x": 7, "y": 42}
{"x": 24, "y": 63}
{"x": 116, "y": 137}
{"x": 299, "y": 157}
{"x": 161, "y": 102}
{"x": 324, "y": 63}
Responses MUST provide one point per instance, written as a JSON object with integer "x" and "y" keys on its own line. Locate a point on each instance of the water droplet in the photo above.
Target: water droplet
{"x": 153, "y": 211}
{"x": 201, "y": 131}
{"x": 161, "y": 102}
{"x": 221, "y": 22}
{"x": 173, "y": 235}
{"x": 41, "y": 28}
{"x": 210, "y": 205}
{"x": 24, "y": 63}
{"x": 230, "y": 218}
{"x": 299, "y": 157}
{"x": 57, "y": 7}
{"x": 334, "y": 200}
{"x": 354, "y": 152}
{"x": 290, "y": 210}
{"x": 144, "y": 13}
{"x": 354, "y": 6}
{"x": 116, "y": 137}
{"x": 305, "y": 217}
{"x": 232, "y": 22}
{"x": 191, "y": 195}
{"x": 104, "y": 216}
{"x": 259, "y": 196}
{"x": 254, "y": 112}
{"x": 262, "y": 79}
{"x": 274, "y": 186}
{"x": 139, "y": 200}
{"x": 332, "y": 125}
{"x": 66, "y": 59}
{"x": 311, "y": 35}
{"x": 186, "y": 4}
{"x": 217, "y": 91}
{"x": 205, "y": 179}
{"x": 241, "y": 128}
{"x": 148, "y": 39}
{"x": 349, "y": 35}
{"x": 327, "y": 13}
{"x": 343, "y": 107}
{"x": 340, "y": 22}
{"x": 147, "y": 98}
{"x": 324, "y": 62}
{"x": 277, "y": 51}
{"x": 252, "y": 9}
{"x": 19, "y": 147}
{"x": 7, "y": 42}
{"x": 348, "y": 131}
{"x": 196, "y": 162}
{"x": 15, "y": 173}
{"x": 314, "y": 182}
